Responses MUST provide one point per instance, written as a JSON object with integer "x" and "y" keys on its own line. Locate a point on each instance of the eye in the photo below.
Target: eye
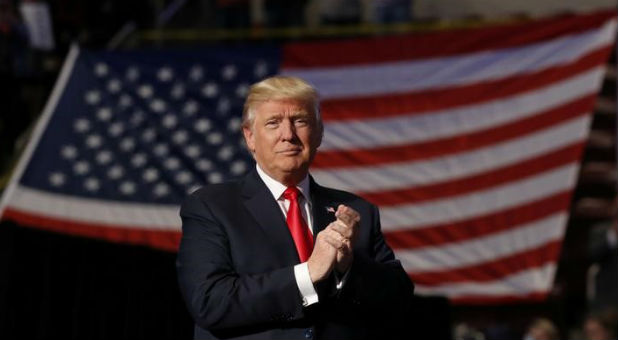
{"x": 301, "y": 121}
{"x": 272, "y": 123}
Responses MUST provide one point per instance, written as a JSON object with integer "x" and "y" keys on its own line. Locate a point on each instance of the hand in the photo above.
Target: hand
{"x": 324, "y": 255}
{"x": 333, "y": 245}
{"x": 346, "y": 226}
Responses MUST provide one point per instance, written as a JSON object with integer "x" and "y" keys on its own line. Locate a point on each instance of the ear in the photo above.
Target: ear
{"x": 320, "y": 134}
{"x": 249, "y": 138}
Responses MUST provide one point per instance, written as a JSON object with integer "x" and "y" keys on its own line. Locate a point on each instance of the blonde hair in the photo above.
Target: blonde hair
{"x": 278, "y": 88}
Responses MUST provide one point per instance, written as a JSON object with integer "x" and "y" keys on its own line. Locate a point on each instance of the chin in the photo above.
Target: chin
{"x": 294, "y": 166}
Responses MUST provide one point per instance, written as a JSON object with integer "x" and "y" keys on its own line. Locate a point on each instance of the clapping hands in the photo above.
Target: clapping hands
{"x": 333, "y": 245}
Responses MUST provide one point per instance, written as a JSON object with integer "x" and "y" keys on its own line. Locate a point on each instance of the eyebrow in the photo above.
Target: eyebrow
{"x": 295, "y": 114}
{"x": 300, "y": 114}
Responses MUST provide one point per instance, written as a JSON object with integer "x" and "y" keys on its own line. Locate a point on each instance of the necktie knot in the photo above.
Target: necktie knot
{"x": 291, "y": 193}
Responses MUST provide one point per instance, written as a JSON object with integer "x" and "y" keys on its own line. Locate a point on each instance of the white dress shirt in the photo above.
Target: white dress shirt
{"x": 301, "y": 270}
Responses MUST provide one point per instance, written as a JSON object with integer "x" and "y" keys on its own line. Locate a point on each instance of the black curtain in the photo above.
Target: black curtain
{"x": 59, "y": 286}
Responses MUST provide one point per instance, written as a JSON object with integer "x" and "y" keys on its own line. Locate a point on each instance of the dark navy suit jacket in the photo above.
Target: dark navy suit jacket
{"x": 235, "y": 269}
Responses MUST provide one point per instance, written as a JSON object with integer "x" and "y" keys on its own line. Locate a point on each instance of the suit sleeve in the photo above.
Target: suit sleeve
{"x": 377, "y": 283}
{"x": 219, "y": 298}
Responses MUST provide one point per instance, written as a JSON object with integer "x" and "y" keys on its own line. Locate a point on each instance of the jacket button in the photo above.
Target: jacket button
{"x": 309, "y": 333}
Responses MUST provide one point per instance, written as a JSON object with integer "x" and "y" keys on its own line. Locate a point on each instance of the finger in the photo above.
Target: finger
{"x": 338, "y": 237}
{"x": 327, "y": 234}
{"x": 341, "y": 211}
{"x": 348, "y": 215}
{"x": 326, "y": 243}
{"x": 341, "y": 228}
{"x": 345, "y": 210}
{"x": 347, "y": 247}
{"x": 334, "y": 233}
{"x": 345, "y": 236}
{"x": 346, "y": 219}
{"x": 334, "y": 241}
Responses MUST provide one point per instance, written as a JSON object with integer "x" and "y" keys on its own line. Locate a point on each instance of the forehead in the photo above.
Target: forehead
{"x": 282, "y": 107}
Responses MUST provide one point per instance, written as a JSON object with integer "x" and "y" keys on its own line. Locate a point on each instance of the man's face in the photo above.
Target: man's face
{"x": 284, "y": 137}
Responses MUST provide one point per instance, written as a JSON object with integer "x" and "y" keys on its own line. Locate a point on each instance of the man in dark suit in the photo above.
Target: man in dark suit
{"x": 277, "y": 256}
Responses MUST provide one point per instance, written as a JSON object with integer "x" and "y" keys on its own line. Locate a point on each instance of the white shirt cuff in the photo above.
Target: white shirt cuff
{"x": 305, "y": 286}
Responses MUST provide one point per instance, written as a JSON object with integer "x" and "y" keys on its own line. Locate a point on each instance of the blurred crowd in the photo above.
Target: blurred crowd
{"x": 294, "y": 13}
{"x": 595, "y": 326}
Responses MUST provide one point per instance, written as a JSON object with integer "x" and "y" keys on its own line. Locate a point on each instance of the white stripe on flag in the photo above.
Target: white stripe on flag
{"x": 94, "y": 211}
{"x": 522, "y": 283}
{"x": 371, "y": 133}
{"x": 358, "y": 81}
{"x": 456, "y": 208}
{"x": 425, "y": 172}
{"x": 484, "y": 249}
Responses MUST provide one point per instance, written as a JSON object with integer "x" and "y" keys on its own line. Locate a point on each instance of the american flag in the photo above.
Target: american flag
{"x": 469, "y": 140}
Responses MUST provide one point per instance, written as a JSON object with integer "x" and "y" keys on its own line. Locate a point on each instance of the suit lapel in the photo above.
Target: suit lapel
{"x": 321, "y": 204}
{"x": 265, "y": 210}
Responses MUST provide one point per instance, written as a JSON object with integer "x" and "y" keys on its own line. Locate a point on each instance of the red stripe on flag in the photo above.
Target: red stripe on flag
{"x": 497, "y": 176}
{"x": 435, "y": 44}
{"x": 493, "y": 270}
{"x": 430, "y": 236}
{"x": 456, "y": 144}
{"x": 164, "y": 240}
{"x": 400, "y": 104}
{"x": 500, "y": 299}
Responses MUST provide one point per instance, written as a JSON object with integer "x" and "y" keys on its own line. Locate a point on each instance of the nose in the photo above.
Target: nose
{"x": 288, "y": 132}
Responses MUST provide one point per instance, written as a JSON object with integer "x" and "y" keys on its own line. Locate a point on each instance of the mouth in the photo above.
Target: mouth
{"x": 291, "y": 152}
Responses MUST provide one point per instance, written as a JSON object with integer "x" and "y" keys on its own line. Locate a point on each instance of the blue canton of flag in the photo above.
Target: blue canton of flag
{"x": 148, "y": 127}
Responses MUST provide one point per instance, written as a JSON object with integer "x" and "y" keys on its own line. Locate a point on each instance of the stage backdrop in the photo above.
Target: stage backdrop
{"x": 469, "y": 140}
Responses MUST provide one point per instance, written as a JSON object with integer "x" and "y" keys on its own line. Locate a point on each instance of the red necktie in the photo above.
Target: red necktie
{"x": 297, "y": 225}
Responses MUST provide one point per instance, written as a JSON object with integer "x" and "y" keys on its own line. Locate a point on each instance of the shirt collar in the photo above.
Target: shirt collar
{"x": 277, "y": 189}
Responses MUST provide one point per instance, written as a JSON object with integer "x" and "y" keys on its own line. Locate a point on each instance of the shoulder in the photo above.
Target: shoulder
{"x": 219, "y": 190}
{"x": 344, "y": 197}
{"x": 213, "y": 195}
{"x": 338, "y": 194}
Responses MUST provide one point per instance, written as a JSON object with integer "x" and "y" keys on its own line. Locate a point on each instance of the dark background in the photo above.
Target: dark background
{"x": 59, "y": 286}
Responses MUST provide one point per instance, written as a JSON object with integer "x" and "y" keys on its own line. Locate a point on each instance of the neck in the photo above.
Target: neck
{"x": 288, "y": 179}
